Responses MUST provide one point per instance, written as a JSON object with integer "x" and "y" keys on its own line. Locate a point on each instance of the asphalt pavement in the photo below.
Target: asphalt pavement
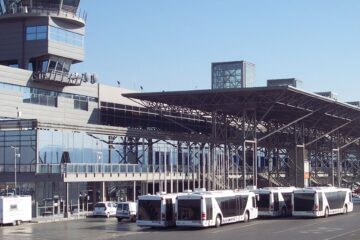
{"x": 339, "y": 227}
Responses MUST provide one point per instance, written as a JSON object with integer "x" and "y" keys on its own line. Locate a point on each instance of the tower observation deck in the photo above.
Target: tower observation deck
{"x": 50, "y": 34}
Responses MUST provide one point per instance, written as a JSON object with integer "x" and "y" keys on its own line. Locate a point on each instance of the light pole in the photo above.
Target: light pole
{"x": 16, "y": 154}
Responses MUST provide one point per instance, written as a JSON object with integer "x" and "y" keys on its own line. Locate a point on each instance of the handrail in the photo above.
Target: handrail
{"x": 101, "y": 168}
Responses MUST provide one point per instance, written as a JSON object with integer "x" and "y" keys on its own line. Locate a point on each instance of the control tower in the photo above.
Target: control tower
{"x": 43, "y": 36}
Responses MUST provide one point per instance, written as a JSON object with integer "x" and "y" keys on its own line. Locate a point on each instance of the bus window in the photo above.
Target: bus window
{"x": 189, "y": 209}
{"x": 320, "y": 201}
{"x": 287, "y": 200}
{"x": 304, "y": 201}
{"x": 149, "y": 210}
{"x": 209, "y": 208}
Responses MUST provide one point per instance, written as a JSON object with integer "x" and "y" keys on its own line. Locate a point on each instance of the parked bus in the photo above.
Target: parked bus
{"x": 214, "y": 208}
{"x": 156, "y": 210}
{"x": 274, "y": 201}
{"x": 321, "y": 201}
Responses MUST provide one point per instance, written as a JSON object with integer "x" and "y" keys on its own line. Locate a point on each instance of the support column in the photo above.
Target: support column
{"x": 102, "y": 192}
{"x": 244, "y": 163}
{"x": 66, "y": 207}
{"x": 134, "y": 191}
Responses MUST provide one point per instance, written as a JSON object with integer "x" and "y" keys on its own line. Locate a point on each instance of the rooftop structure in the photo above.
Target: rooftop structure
{"x": 293, "y": 82}
{"x": 329, "y": 94}
{"x": 237, "y": 74}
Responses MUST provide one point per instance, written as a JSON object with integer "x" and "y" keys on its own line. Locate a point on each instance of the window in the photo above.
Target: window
{"x": 52, "y": 65}
{"x": 81, "y": 103}
{"x": 149, "y": 210}
{"x": 64, "y": 36}
{"x": 36, "y": 33}
{"x": 44, "y": 65}
{"x": 189, "y": 209}
{"x": 304, "y": 201}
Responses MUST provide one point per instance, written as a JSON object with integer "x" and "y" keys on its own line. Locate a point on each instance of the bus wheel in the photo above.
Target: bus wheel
{"x": 218, "y": 221}
{"x": 326, "y": 212}
{"x": 246, "y": 217}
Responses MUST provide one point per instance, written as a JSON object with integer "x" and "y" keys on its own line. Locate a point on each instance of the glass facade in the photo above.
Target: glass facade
{"x": 54, "y": 34}
{"x": 46, "y": 97}
{"x": 239, "y": 74}
{"x": 63, "y": 36}
{"x": 25, "y": 141}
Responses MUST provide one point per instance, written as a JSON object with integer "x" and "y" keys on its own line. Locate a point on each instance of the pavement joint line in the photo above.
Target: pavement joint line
{"x": 343, "y": 234}
{"x": 235, "y": 228}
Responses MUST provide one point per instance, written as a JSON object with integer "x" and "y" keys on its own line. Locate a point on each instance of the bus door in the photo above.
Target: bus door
{"x": 169, "y": 210}
{"x": 320, "y": 201}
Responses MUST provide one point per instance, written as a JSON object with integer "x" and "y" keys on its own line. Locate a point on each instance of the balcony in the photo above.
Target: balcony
{"x": 59, "y": 78}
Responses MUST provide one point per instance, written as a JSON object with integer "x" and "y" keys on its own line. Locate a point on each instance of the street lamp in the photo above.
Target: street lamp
{"x": 16, "y": 154}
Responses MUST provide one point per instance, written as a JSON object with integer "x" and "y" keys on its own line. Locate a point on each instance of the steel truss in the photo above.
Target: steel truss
{"x": 303, "y": 138}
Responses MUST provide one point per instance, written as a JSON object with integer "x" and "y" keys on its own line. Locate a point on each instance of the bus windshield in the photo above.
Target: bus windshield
{"x": 149, "y": 210}
{"x": 189, "y": 209}
{"x": 263, "y": 202}
{"x": 304, "y": 201}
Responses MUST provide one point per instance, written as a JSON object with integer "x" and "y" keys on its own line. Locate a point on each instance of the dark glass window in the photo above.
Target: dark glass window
{"x": 149, "y": 210}
{"x": 304, "y": 201}
{"x": 81, "y": 104}
{"x": 169, "y": 210}
{"x": 263, "y": 202}
{"x": 52, "y": 65}
{"x": 336, "y": 199}
{"x": 287, "y": 200}
{"x": 209, "y": 208}
{"x": 59, "y": 66}
{"x": 228, "y": 206}
{"x": 320, "y": 201}
{"x": 189, "y": 209}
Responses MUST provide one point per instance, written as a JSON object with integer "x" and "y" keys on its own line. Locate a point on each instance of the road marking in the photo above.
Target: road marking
{"x": 343, "y": 234}
{"x": 294, "y": 228}
{"x": 320, "y": 230}
{"x": 235, "y": 228}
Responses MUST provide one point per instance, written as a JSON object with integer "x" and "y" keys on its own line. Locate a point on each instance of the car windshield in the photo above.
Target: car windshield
{"x": 99, "y": 205}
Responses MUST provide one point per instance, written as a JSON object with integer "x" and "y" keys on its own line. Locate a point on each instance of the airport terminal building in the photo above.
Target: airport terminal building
{"x": 66, "y": 137}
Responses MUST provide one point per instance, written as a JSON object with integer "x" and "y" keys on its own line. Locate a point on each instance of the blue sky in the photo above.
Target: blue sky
{"x": 170, "y": 44}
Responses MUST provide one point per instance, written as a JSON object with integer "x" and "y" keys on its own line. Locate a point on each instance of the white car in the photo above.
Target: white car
{"x": 105, "y": 209}
{"x": 126, "y": 210}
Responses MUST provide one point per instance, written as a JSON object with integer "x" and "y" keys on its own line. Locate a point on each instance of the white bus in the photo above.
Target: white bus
{"x": 321, "y": 201}
{"x": 156, "y": 210}
{"x": 214, "y": 208}
{"x": 274, "y": 201}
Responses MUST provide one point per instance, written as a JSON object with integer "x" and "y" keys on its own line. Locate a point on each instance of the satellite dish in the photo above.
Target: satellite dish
{"x": 94, "y": 78}
{"x": 86, "y": 77}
